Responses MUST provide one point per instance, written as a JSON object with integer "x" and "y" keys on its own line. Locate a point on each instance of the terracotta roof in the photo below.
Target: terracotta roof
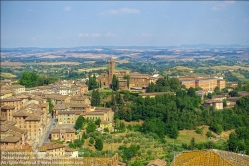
{"x": 202, "y": 157}
{"x": 4, "y": 128}
{"x": 11, "y": 139}
{"x": 22, "y": 96}
{"x": 50, "y": 146}
{"x": 3, "y": 92}
{"x": 10, "y": 123}
{"x": 79, "y": 97}
{"x": 78, "y": 105}
{"x": 17, "y": 86}
{"x": 33, "y": 118}
{"x": 67, "y": 112}
{"x": 233, "y": 99}
{"x": 7, "y": 107}
{"x": 57, "y": 96}
{"x": 20, "y": 113}
{"x": 213, "y": 101}
{"x": 11, "y": 99}
{"x": 59, "y": 106}
{"x": 102, "y": 109}
{"x": 220, "y": 96}
{"x": 94, "y": 113}
{"x": 67, "y": 130}
{"x": 156, "y": 93}
{"x": 70, "y": 150}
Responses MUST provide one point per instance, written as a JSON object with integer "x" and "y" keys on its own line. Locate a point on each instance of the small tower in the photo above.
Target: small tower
{"x": 111, "y": 70}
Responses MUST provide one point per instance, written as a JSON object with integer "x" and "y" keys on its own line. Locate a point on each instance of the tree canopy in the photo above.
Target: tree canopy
{"x": 31, "y": 79}
{"x": 95, "y": 99}
{"x": 79, "y": 122}
{"x": 164, "y": 85}
{"x": 115, "y": 83}
{"x": 92, "y": 83}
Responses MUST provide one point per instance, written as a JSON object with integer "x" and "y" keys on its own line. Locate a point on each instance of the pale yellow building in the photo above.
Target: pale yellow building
{"x": 206, "y": 83}
{"x": 65, "y": 134}
{"x": 52, "y": 149}
{"x": 217, "y": 104}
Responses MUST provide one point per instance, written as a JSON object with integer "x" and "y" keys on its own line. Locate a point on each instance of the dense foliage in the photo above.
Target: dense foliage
{"x": 99, "y": 144}
{"x": 166, "y": 114}
{"x": 129, "y": 152}
{"x": 91, "y": 127}
{"x": 79, "y": 122}
{"x": 31, "y": 79}
{"x": 164, "y": 85}
{"x": 95, "y": 99}
{"x": 239, "y": 140}
{"x": 92, "y": 83}
{"x": 50, "y": 106}
{"x": 115, "y": 83}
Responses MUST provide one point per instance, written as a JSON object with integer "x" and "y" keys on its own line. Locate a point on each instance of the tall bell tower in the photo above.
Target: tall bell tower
{"x": 111, "y": 70}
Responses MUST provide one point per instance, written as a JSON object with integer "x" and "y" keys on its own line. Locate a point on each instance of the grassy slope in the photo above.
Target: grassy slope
{"x": 7, "y": 75}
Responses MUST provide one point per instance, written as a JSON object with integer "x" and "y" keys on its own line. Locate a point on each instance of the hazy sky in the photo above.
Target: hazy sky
{"x": 123, "y": 23}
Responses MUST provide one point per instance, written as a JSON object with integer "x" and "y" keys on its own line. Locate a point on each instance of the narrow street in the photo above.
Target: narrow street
{"x": 45, "y": 138}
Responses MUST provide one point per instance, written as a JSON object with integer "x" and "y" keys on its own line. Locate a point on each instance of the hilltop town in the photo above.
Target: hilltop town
{"x": 58, "y": 119}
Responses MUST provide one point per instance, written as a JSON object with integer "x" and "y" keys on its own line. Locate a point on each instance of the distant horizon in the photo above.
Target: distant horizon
{"x": 182, "y": 45}
{"x": 60, "y": 24}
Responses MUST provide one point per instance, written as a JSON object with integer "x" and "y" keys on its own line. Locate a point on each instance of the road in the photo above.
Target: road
{"x": 45, "y": 136}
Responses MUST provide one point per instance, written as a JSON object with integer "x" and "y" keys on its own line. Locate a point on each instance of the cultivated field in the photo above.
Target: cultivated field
{"x": 7, "y": 75}
{"x": 237, "y": 74}
{"x": 223, "y": 67}
{"x": 91, "y": 69}
{"x": 122, "y": 61}
{"x": 59, "y": 63}
{"x": 51, "y": 56}
{"x": 182, "y": 68}
{"x": 92, "y": 56}
{"x": 6, "y": 64}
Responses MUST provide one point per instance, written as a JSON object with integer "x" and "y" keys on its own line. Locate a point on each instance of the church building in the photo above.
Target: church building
{"x": 136, "y": 79}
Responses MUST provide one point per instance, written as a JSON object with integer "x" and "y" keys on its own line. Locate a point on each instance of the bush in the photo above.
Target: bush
{"x": 106, "y": 130}
{"x": 99, "y": 144}
{"x": 149, "y": 152}
{"x": 199, "y": 131}
{"x": 91, "y": 127}
{"x": 91, "y": 140}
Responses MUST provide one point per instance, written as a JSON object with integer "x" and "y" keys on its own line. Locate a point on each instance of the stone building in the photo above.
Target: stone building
{"x": 65, "y": 134}
{"x": 52, "y": 149}
{"x": 12, "y": 137}
{"x": 104, "y": 114}
{"x": 136, "y": 79}
{"x": 206, "y": 83}
{"x": 217, "y": 104}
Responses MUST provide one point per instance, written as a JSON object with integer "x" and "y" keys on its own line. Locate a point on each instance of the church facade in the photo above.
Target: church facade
{"x": 136, "y": 80}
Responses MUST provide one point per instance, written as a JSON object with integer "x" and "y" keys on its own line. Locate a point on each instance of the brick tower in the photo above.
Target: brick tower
{"x": 111, "y": 70}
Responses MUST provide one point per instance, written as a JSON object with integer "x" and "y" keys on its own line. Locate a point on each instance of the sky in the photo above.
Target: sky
{"x": 54, "y": 24}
